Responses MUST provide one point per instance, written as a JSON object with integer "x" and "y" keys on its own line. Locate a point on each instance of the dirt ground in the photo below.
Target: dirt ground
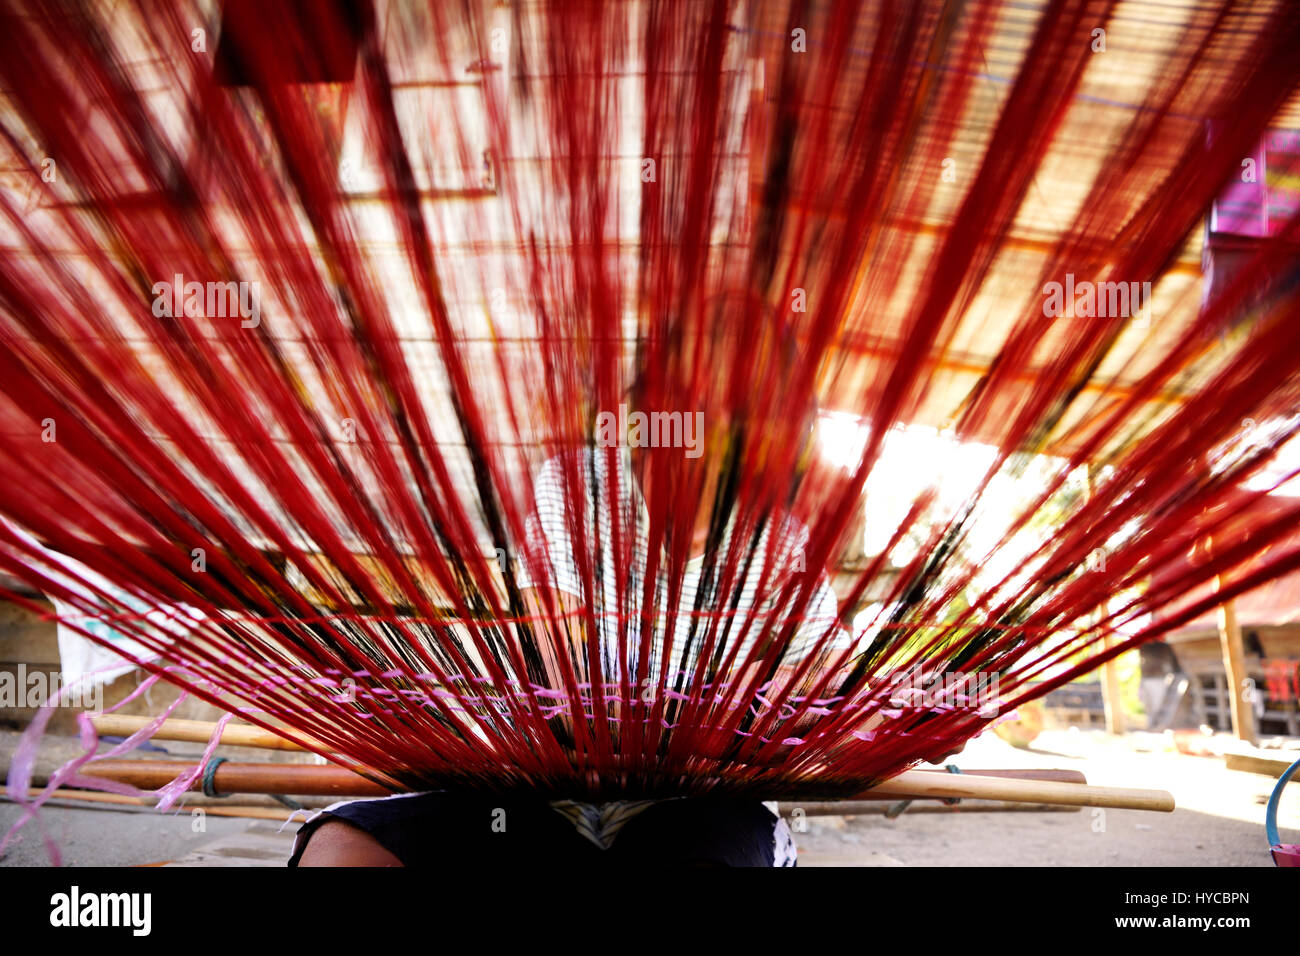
{"x": 1219, "y": 822}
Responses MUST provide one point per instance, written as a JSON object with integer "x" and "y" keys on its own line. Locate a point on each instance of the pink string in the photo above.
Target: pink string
{"x": 169, "y": 793}
{"x": 23, "y": 766}
{"x": 24, "y": 761}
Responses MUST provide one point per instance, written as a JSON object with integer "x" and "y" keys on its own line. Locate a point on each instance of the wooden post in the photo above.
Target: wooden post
{"x": 1111, "y": 693}
{"x": 1239, "y": 697}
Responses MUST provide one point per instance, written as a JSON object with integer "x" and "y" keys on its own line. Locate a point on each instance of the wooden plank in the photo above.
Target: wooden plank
{"x": 1268, "y": 765}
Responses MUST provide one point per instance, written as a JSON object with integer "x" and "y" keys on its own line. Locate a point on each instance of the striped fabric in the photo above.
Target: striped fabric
{"x": 550, "y": 527}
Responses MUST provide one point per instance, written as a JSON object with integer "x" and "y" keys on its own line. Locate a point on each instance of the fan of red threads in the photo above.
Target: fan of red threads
{"x": 311, "y": 311}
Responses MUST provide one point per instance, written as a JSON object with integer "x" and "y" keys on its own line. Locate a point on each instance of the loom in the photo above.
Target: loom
{"x": 297, "y": 301}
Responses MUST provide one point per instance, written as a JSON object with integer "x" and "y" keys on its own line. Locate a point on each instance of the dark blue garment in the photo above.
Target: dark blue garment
{"x": 440, "y": 828}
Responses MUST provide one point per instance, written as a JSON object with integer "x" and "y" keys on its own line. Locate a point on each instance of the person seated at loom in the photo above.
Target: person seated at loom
{"x": 711, "y": 831}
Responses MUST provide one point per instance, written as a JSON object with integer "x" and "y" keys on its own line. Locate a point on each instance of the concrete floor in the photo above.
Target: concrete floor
{"x": 1219, "y": 822}
{"x": 113, "y": 837}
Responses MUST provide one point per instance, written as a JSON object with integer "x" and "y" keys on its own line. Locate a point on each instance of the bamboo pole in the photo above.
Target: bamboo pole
{"x": 823, "y": 808}
{"x": 914, "y": 784}
{"x": 199, "y": 800}
{"x": 135, "y": 803}
{"x": 232, "y": 777}
{"x": 194, "y": 731}
{"x": 911, "y": 784}
{"x": 1057, "y": 776}
{"x": 861, "y": 808}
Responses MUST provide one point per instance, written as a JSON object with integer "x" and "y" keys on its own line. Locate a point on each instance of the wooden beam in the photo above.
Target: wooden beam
{"x": 194, "y": 731}
{"x": 910, "y": 784}
{"x": 857, "y": 808}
